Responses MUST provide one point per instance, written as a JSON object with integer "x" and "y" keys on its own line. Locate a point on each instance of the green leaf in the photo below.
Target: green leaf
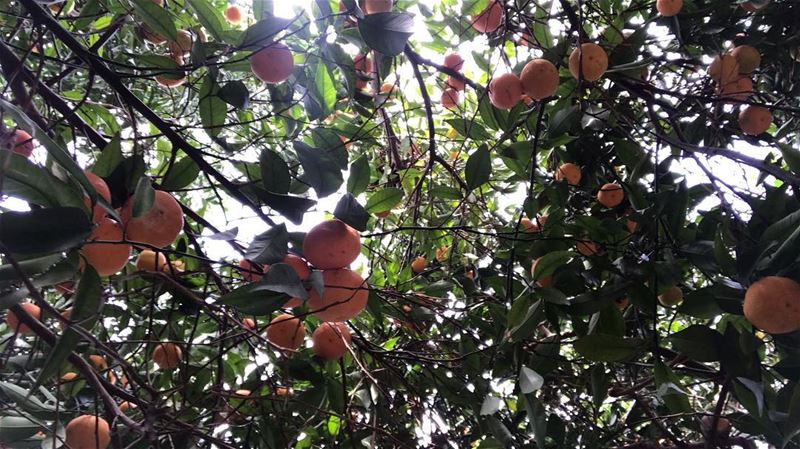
{"x": 359, "y": 176}
{"x": 290, "y": 206}
{"x": 270, "y": 246}
{"x": 209, "y": 17}
{"x": 529, "y": 380}
{"x": 236, "y": 94}
{"x": 34, "y": 232}
{"x": 320, "y": 169}
{"x": 469, "y": 128}
{"x": 537, "y": 419}
{"x": 254, "y": 299}
{"x": 86, "y": 304}
{"x": 608, "y": 348}
{"x": 384, "y": 200}
{"x": 143, "y": 197}
{"x": 212, "y": 113}
{"x": 109, "y": 158}
{"x": 27, "y": 401}
{"x": 158, "y": 19}
{"x": 181, "y": 174}
{"x": 263, "y": 31}
{"x": 275, "y": 174}
{"x": 550, "y": 262}
{"x": 27, "y": 181}
{"x": 324, "y": 89}
{"x": 479, "y": 167}
{"x": 334, "y": 424}
{"x": 387, "y": 32}
{"x": 282, "y": 278}
{"x": 30, "y": 267}
{"x": 670, "y": 389}
{"x": 699, "y": 342}
{"x": 17, "y": 428}
{"x": 562, "y": 121}
{"x": 350, "y": 211}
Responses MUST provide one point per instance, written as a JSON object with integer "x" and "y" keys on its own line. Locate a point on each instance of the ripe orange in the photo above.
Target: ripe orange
{"x": 588, "y": 248}
{"x": 292, "y": 303}
{"x": 98, "y": 362}
{"x": 299, "y": 265}
{"x": 345, "y": 296}
{"x": 590, "y": 60}
{"x": 610, "y": 195}
{"x": 450, "y": 98}
{"x": 87, "y": 432}
{"x": 286, "y": 332}
{"x": 331, "y": 244}
{"x": 362, "y": 63}
{"x": 182, "y": 45}
{"x": 740, "y": 89}
{"x": 124, "y": 406}
{"x": 755, "y": 120}
{"x": 234, "y": 14}
{"x": 570, "y": 172}
{"x": 441, "y": 253}
{"x": 455, "y": 83}
{"x": 724, "y": 69}
{"x": 272, "y": 64}
{"x": 250, "y": 271}
{"x": 151, "y": 261}
{"x": 418, "y": 264}
{"x": 68, "y": 384}
{"x": 748, "y": 58}
{"x": 249, "y": 323}
{"x": 505, "y": 91}
{"x": 669, "y": 8}
{"x": 106, "y": 258}
{"x": 242, "y": 393}
{"x": 169, "y": 80}
{"x": 539, "y": 79}
{"x": 544, "y": 282}
{"x": 490, "y": 19}
{"x": 167, "y": 355}
{"x": 454, "y": 61}
{"x": 159, "y": 226}
{"x": 773, "y": 304}
{"x": 12, "y": 320}
{"x": 375, "y": 6}
{"x": 283, "y": 391}
{"x": 23, "y": 143}
{"x": 331, "y": 341}
{"x": 102, "y": 191}
{"x": 671, "y": 296}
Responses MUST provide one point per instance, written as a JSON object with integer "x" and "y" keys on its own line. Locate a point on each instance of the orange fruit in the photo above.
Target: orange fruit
{"x": 331, "y": 244}
{"x": 755, "y": 120}
{"x": 98, "y": 362}
{"x": 12, "y": 320}
{"x": 375, "y": 6}
{"x": 87, "y": 432}
{"x": 544, "y": 282}
{"x": 23, "y": 143}
{"x": 242, "y": 393}
{"x": 622, "y": 303}
{"x": 286, "y": 332}
{"x": 124, "y": 406}
{"x": 68, "y": 384}
{"x": 331, "y": 341}
{"x": 450, "y": 98}
{"x": 344, "y": 297}
{"x": 588, "y": 248}
{"x": 283, "y": 391}
{"x": 441, "y": 253}
{"x": 292, "y": 303}
{"x": 490, "y": 18}
{"x": 102, "y": 191}
{"x": 169, "y": 80}
{"x": 669, "y": 8}
{"x": 147, "y": 261}
{"x": 106, "y": 258}
{"x": 630, "y": 225}
{"x": 590, "y": 60}
{"x": 740, "y": 89}
{"x": 362, "y": 63}
{"x": 610, "y": 195}
{"x": 249, "y": 323}
{"x": 299, "y": 265}
{"x": 570, "y": 172}
{"x": 182, "y": 45}
{"x": 724, "y": 69}
{"x": 234, "y": 14}
{"x": 505, "y": 91}
{"x": 772, "y": 304}
{"x": 418, "y": 264}
{"x": 454, "y": 61}
{"x": 272, "y": 64}
{"x": 455, "y": 84}
{"x": 159, "y": 226}
{"x": 723, "y": 424}
{"x": 748, "y": 58}
{"x": 167, "y": 355}
{"x": 66, "y": 288}
{"x": 539, "y": 79}
{"x": 671, "y": 296}
{"x": 251, "y": 272}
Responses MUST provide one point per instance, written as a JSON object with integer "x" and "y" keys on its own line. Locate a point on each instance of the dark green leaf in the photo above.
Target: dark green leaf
{"x": 33, "y": 232}
{"x": 143, "y": 197}
{"x": 263, "y": 31}
{"x": 254, "y": 299}
{"x": 350, "y": 211}
{"x": 320, "y": 169}
{"x": 109, "y": 158}
{"x": 269, "y": 247}
{"x": 156, "y": 18}
{"x": 387, "y": 32}
{"x": 608, "y": 348}
{"x": 290, "y": 206}
{"x": 17, "y": 428}
{"x": 359, "y": 176}
{"x": 181, "y": 174}
{"x": 212, "y": 113}
{"x": 235, "y": 93}
{"x": 699, "y": 342}
{"x": 275, "y": 174}
{"x": 209, "y": 17}
{"x": 27, "y": 181}
{"x": 282, "y": 278}
{"x": 479, "y": 167}
{"x": 384, "y": 200}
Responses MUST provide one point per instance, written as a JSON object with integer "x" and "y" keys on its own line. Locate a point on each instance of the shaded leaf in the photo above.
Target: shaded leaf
{"x": 31, "y": 233}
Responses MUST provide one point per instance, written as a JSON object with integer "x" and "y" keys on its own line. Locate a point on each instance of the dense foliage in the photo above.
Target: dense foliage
{"x": 629, "y": 332}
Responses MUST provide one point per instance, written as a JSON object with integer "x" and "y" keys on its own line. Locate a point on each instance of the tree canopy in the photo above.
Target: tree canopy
{"x": 449, "y": 224}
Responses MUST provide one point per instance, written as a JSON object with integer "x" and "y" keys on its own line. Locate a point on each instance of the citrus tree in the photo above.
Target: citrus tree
{"x": 450, "y": 224}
